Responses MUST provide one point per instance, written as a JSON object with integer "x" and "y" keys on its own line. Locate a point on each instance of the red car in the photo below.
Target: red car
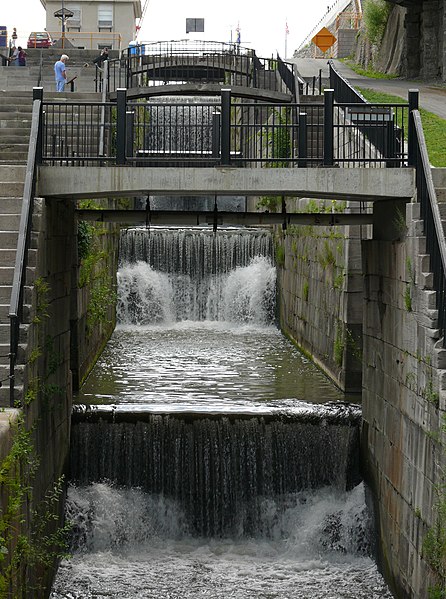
{"x": 39, "y": 39}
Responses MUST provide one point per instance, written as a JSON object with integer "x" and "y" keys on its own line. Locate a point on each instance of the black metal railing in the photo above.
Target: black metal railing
{"x": 223, "y": 131}
{"x": 288, "y": 76}
{"x": 311, "y": 86}
{"x": 430, "y": 213}
{"x": 149, "y": 65}
{"x": 77, "y": 133}
{"x": 23, "y": 242}
{"x": 365, "y": 117}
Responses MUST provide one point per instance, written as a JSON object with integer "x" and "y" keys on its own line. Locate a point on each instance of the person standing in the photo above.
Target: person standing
{"x": 60, "y": 73}
{"x": 22, "y": 57}
{"x": 14, "y": 56}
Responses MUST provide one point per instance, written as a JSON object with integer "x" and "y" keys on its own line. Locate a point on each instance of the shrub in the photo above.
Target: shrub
{"x": 376, "y": 14}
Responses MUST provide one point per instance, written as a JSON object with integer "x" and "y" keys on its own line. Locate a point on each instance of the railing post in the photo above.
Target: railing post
{"x": 328, "y": 126}
{"x": 390, "y": 144}
{"x": 216, "y": 126}
{"x": 38, "y": 95}
{"x": 121, "y": 105}
{"x": 413, "y": 105}
{"x": 302, "y": 140}
{"x": 225, "y": 126}
{"x": 130, "y": 121}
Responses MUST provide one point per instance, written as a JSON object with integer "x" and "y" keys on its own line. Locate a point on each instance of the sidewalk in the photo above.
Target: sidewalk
{"x": 432, "y": 98}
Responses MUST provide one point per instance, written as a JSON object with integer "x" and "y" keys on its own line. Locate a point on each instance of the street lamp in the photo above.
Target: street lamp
{"x": 63, "y": 14}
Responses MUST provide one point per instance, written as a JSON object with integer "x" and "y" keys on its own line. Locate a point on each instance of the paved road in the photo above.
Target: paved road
{"x": 431, "y": 98}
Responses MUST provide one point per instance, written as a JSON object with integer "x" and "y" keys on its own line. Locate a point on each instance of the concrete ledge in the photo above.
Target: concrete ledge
{"x": 362, "y": 184}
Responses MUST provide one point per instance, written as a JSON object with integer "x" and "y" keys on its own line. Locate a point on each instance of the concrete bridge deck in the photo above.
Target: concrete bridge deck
{"x": 361, "y": 184}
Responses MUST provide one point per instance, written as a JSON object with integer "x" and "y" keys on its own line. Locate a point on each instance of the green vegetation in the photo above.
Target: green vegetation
{"x": 94, "y": 270}
{"x": 434, "y": 127}
{"x": 278, "y": 146}
{"x": 338, "y": 348}
{"x": 360, "y": 70}
{"x": 45, "y": 541}
{"x": 280, "y": 255}
{"x": 376, "y": 14}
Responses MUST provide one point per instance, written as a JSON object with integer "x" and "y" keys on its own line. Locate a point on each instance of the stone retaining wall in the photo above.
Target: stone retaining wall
{"x": 403, "y": 405}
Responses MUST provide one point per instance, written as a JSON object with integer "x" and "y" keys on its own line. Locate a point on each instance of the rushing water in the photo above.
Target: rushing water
{"x": 204, "y": 470}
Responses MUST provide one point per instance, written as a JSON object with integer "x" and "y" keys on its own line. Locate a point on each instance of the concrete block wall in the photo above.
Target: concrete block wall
{"x": 320, "y": 291}
{"x": 403, "y": 403}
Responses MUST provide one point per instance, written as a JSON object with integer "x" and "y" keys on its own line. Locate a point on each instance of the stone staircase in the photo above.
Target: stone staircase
{"x": 39, "y": 71}
{"x": 15, "y": 127}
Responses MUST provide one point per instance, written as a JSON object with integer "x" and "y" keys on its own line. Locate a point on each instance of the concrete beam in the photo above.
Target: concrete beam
{"x": 196, "y": 218}
{"x": 205, "y": 89}
{"x": 362, "y": 184}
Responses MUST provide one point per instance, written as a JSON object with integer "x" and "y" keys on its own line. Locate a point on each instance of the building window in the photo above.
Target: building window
{"x": 74, "y": 23}
{"x": 105, "y": 17}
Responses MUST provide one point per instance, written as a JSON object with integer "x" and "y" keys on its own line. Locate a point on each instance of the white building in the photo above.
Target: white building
{"x": 95, "y": 24}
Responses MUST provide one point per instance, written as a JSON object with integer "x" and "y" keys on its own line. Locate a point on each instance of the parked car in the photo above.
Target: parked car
{"x": 39, "y": 39}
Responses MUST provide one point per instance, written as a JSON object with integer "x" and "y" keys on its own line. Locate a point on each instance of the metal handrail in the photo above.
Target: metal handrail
{"x": 186, "y": 46}
{"x": 16, "y": 306}
{"x": 430, "y": 213}
{"x": 344, "y": 92}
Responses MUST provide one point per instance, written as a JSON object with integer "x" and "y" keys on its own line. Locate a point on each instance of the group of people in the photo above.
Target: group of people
{"x": 17, "y": 56}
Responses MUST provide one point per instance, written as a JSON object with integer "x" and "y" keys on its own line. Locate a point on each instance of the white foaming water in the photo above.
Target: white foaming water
{"x": 133, "y": 545}
{"x": 244, "y": 295}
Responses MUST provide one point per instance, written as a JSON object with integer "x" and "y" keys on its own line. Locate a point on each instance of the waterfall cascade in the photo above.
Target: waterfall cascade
{"x": 168, "y": 275}
{"x": 205, "y": 474}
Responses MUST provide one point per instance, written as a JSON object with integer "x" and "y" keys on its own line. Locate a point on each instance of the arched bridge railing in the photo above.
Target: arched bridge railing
{"x": 225, "y": 131}
{"x": 178, "y": 62}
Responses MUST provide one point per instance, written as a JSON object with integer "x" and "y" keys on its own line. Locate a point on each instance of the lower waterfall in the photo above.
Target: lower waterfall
{"x": 209, "y": 458}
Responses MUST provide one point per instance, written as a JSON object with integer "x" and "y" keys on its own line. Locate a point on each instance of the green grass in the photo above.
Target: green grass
{"x": 367, "y": 72}
{"x": 434, "y": 127}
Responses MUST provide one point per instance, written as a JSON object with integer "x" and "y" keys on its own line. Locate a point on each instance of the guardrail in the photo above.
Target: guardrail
{"x": 16, "y": 306}
{"x": 396, "y": 118}
{"x": 186, "y": 46}
{"x": 207, "y": 62}
{"x": 430, "y": 213}
{"x": 226, "y": 131}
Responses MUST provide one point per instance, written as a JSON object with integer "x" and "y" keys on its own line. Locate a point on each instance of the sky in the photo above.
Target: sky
{"x": 262, "y": 25}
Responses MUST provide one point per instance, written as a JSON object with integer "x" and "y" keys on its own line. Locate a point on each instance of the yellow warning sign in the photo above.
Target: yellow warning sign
{"x": 324, "y": 39}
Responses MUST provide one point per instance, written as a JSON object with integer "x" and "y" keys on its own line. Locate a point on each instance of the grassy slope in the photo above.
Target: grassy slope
{"x": 434, "y": 127}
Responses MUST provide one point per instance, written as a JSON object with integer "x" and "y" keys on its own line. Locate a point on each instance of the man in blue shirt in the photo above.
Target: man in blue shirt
{"x": 60, "y": 73}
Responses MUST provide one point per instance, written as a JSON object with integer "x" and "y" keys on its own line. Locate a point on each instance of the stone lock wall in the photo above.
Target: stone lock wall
{"x": 403, "y": 406}
{"x": 320, "y": 291}
{"x": 93, "y": 316}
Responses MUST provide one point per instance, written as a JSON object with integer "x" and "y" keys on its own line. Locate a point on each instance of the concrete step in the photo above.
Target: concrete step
{"x": 4, "y": 313}
{"x": 12, "y": 174}
{"x": 10, "y": 205}
{"x": 5, "y": 333}
{"x": 7, "y": 258}
{"x": 10, "y": 190}
{"x": 13, "y": 148}
{"x": 6, "y": 123}
{"x": 4, "y": 395}
{"x": 441, "y": 194}
{"x": 7, "y": 275}
{"x": 8, "y": 239}
{"x": 5, "y": 294}
{"x": 18, "y": 158}
{"x": 9, "y": 222}
{"x": 12, "y": 109}
{"x": 20, "y": 137}
{"x": 439, "y": 177}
